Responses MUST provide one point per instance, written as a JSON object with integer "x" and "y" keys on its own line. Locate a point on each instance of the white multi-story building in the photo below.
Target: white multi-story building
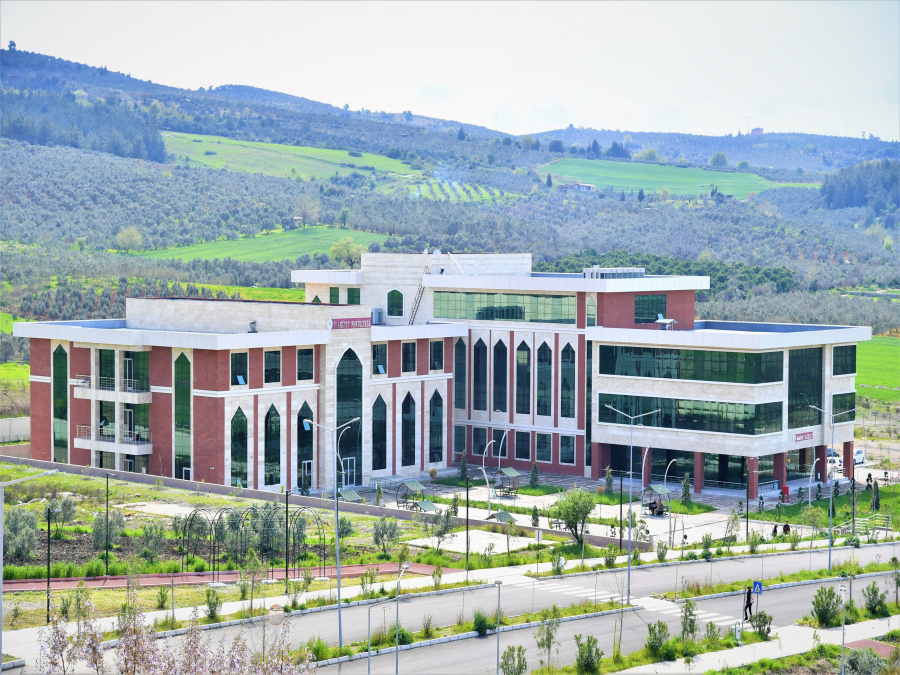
{"x": 440, "y": 355}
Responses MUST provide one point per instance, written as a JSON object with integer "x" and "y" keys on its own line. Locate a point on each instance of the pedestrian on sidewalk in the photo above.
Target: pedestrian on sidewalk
{"x": 748, "y": 604}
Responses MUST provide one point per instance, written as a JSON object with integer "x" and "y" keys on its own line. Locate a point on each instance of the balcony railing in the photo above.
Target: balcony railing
{"x": 83, "y": 431}
{"x": 107, "y": 433}
{"x": 83, "y": 381}
{"x": 136, "y": 386}
{"x": 136, "y": 437}
{"x": 105, "y": 383}
{"x": 129, "y": 385}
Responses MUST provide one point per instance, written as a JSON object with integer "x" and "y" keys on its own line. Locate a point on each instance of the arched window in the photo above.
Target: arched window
{"x": 304, "y": 447}
{"x": 395, "y": 303}
{"x": 591, "y": 312}
{"x": 239, "y": 449}
{"x": 459, "y": 375}
{"x": 182, "y": 396}
{"x": 567, "y": 382}
{"x": 500, "y": 376}
{"x": 349, "y": 406}
{"x": 408, "y": 431}
{"x": 523, "y": 379}
{"x": 544, "y": 380}
{"x": 60, "y": 405}
{"x": 379, "y": 434}
{"x": 479, "y": 375}
{"x": 272, "y": 454}
{"x": 436, "y": 429}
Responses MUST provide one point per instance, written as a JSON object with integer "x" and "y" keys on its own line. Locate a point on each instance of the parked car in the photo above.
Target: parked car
{"x": 859, "y": 456}
{"x": 833, "y": 453}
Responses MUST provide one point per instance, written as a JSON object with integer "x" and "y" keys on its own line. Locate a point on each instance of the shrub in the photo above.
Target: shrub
{"x": 513, "y": 661}
{"x": 657, "y": 634}
{"x": 19, "y": 531}
{"x": 661, "y": 550}
{"x": 864, "y": 662}
{"x": 116, "y": 525}
{"x": 481, "y": 624}
{"x": 162, "y": 597}
{"x": 533, "y": 476}
{"x": 93, "y": 568}
{"x": 213, "y": 604}
{"x": 688, "y": 620}
{"x": 826, "y": 606}
{"x": 762, "y": 624}
{"x": 154, "y": 539}
{"x": 427, "y": 625}
{"x": 690, "y": 555}
{"x": 875, "y": 600}
{"x": 589, "y": 655}
{"x": 713, "y": 634}
{"x": 558, "y": 562}
{"x": 610, "y": 553}
{"x": 668, "y": 652}
{"x": 405, "y": 636}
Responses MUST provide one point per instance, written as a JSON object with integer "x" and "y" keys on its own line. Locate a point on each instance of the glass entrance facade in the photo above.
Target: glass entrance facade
{"x": 804, "y": 387}
{"x": 238, "y": 449}
{"x": 182, "y": 400}
{"x": 60, "y": 405}
{"x": 349, "y": 406}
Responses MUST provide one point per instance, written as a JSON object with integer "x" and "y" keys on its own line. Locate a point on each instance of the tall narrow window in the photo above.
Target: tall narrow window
{"x": 408, "y": 431}
{"x": 408, "y": 357}
{"x": 352, "y": 296}
{"x": 591, "y": 312}
{"x": 544, "y": 451}
{"x": 334, "y": 295}
{"x": 272, "y": 361}
{"x": 395, "y": 303}
{"x": 305, "y": 364}
{"x": 479, "y": 440}
{"x": 436, "y": 429}
{"x": 566, "y": 449}
{"x": 379, "y": 359}
{"x": 436, "y": 355}
{"x": 349, "y": 406}
{"x": 305, "y": 447}
{"x": 500, "y": 371}
{"x": 239, "y": 369}
{"x": 272, "y": 466}
{"x": 804, "y": 387}
{"x": 498, "y": 447}
{"x": 479, "y": 385}
{"x": 182, "y": 400}
{"x": 379, "y": 434}
{"x": 459, "y": 375}
{"x": 523, "y": 445}
{"x": 107, "y": 379}
{"x": 588, "y": 388}
{"x": 544, "y": 380}
{"x": 459, "y": 440}
{"x": 523, "y": 379}
{"x": 239, "y": 449}
{"x": 60, "y": 405}
{"x": 567, "y": 382}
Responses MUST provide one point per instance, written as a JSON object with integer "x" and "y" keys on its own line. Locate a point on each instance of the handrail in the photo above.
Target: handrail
{"x": 83, "y": 431}
{"x": 139, "y": 386}
{"x": 136, "y": 437}
{"x": 83, "y": 381}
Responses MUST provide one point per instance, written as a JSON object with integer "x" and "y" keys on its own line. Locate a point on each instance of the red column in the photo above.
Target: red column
{"x": 647, "y": 465}
{"x": 821, "y": 470}
{"x": 753, "y": 478}
{"x": 780, "y": 461}
{"x": 848, "y": 459}
{"x": 698, "y": 472}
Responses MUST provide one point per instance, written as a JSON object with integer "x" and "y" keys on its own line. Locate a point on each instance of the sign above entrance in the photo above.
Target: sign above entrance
{"x": 342, "y": 324}
{"x": 804, "y": 436}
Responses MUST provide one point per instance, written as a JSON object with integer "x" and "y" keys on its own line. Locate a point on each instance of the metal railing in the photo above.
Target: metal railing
{"x": 107, "y": 433}
{"x": 83, "y": 431}
{"x": 136, "y": 437}
{"x": 83, "y": 381}
{"x": 137, "y": 386}
{"x": 105, "y": 383}
{"x": 877, "y": 521}
{"x": 129, "y": 385}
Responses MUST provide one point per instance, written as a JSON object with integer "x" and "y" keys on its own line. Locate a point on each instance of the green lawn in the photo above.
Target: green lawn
{"x": 14, "y": 371}
{"x": 272, "y": 159}
{"x": 650, "y": 177}
{"x": 263, "y": 247}
{"x": 878, "y": 363}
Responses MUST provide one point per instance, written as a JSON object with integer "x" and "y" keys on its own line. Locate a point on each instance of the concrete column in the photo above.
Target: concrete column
{"x": 780, "y": 461}
{"x": 848, "y": 459}
{"x": 648, "y": 465}
{"x": 753, "y": 465}
{"x": 698, "y": 472}
{"x": 820, "y": 474}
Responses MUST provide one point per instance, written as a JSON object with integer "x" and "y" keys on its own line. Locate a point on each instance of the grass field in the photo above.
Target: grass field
{"x": 253, "y": 293}
{"x": 650, "y": 177}
{"x": 14, "y": 371}
{"x": 878, "y": 363}
{"x": 275, "y": 246}
{"x": 272, "y": 159}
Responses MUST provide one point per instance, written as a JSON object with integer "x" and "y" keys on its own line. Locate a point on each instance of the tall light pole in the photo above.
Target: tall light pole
{"x": 307, "y": 426}
{"x": 369, "y": 650}
{"x": 843, "y": 590}
{"x": 631, "y": 418}
{"x": 49, "y": 522}
{"x": 484, "y": 456}
{"x": 403, "y": 568}
{"x": 106, "y": 553}
{"x": 832, "y": 415}
{"x": 666, "y": 485}
{"x": 499, "y": 583}
{"x": 2, "y": 498}
{"x": 747, "y": 533}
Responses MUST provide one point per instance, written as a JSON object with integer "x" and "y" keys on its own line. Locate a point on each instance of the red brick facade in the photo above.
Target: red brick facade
{"x": 212, "y": 370}
{"x": 616, "y": 310}
{"x": 209, "y": 438}
{"x": 41, "y": 417}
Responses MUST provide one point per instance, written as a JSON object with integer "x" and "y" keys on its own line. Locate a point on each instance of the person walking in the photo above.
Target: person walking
{"x": 748, "y": 604}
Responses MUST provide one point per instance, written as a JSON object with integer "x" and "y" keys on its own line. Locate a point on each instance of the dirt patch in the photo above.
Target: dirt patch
{"x": 79, "y": 549}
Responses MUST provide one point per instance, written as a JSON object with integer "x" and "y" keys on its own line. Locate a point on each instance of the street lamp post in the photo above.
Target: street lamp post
{"x": 2, "y": 498}
{"x": 467, "y": 527}
{"x": 666, "y": 485}
{"x": 403, "y": 568}
{"x": 307, "y": 425}
{"x": 631, "y": 418}
{"x": 747, "y": 533}
{"x": 106, "y": 552}
{"x": 832, "y": 415}
{"x": 843, "y": 590}
{"x": 369, "y": 650}
{"x": 484, "y": 456}
{"x": 499, "y": 583}
{"x": 49, "y": 521}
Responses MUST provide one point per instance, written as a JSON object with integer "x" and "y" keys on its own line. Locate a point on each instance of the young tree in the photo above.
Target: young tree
{"x": 609, "y": 480}
{"x": 440, "y": 527}
{"x": 59, "y": 650}
{"x": 513, "y": 661}
{"x": 154, "y": 540}
{"x": 574, "y": 509}
{"x": 535, "y": 516}
{"x": 19, "y": 531}
{"x": 876, "y": 500}
{"x": 62, "y": 512}
{"x": 718, "y": 159}
{"x": 641, "y": 195}
{"x": 545, "y": 635}
{"x": 129, "y": 239}
{"x": 345, "y": 252}
{"x": 463, "y": 469}
{"x": 116, "y": 525}
{"x": 533, "y": 478}
{"x": 686, "y": 490}
{"x": 732, "y": 527}
{"x": 549, "y": 181}
{"x": 386, "y": 533}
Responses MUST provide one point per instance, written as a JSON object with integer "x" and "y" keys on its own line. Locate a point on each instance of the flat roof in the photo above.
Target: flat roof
{"x": 562, "y": 283}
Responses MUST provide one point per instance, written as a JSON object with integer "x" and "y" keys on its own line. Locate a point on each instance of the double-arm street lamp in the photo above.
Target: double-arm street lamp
{"x": 50, "y": 515}
{"x": 831, "y": 490}
{"x": 2, "y": 497}
{"x": 499, "y": 457}
{"x": 631, "y": 419}
{"x": 307, "y": 426}
{"x": 106, "y": 552}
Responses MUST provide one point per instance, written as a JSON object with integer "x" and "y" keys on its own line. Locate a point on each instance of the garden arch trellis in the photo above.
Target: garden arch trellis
{"x": 210, "y": 532}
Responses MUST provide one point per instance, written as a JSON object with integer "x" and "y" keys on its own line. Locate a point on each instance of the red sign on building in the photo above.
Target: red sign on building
{"x": 342, "y": 324}
{"x": 805, "y": 436}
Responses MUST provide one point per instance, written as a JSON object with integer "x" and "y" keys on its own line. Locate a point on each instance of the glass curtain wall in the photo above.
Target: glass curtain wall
{"x": 304, "y": 443}
{"x": 479, "y": 375}
{"x": 272, "y": 452}
{"x": 182, "y": 401}
{"x": 567, "y": 383}
{"x": 505, "y": 307}
{"x": 500, "y": 376}
{"x": 692, "y": 364}
{"x": 459, "y": 375}
{"x": 523, "y": 379}
{"x": 544, "y": 380}
{"x": 804, "y": 387}
{"x": 60, "y": 405}
{"x": 379, "y": 434}
{"x": 238, "y": 449}
{"x": 408, "y": 431}
{"x": 588, "y": 389}
{"x": 107, "y": 379}
{"x": 349, "y": 406}
{"x": 436, "y": 429}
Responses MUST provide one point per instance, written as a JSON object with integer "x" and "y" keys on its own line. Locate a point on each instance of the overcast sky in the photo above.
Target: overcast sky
{"x": 695, "y": 67}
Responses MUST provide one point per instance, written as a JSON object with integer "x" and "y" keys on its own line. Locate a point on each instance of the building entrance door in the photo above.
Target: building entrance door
{"x": 348, "y": 476}
{"x": 128, "y": 375}
{"x": 306, "y": 473}
{"x": 185, "y": 473}
{"x": 129, "y": 465}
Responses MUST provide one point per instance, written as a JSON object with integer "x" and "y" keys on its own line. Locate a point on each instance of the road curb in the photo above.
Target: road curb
{"x": 789, "y": 584}
{"x": 112, "y": 644}
{"x": 9, "y": 665}
{"x": 465, "y": 636}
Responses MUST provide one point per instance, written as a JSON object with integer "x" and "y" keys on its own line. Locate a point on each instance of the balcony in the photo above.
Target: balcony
{"x": 129, "y": 390}
{"x": 104, "y": 438}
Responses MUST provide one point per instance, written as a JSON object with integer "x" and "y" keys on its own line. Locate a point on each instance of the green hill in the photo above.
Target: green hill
{"x": 650, "y": 177}
{"x": 274, "y": 246}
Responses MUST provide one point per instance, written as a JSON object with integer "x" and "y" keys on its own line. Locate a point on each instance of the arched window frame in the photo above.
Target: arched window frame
{"x": 391, "y": 303}
{"x": 567, "y": 368}
{"x": 501, "y": 377}
{"x": 408, "y": 431}
{"x": 544, "y": 393}
{"x": 479, "y": 375}
{"x": 379, "y": 434}
{"x": 436, "y": 428}
{"x": 272, "y": 447}
{"x": 239, "y": 454}
{"x": 523, "y": 379}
